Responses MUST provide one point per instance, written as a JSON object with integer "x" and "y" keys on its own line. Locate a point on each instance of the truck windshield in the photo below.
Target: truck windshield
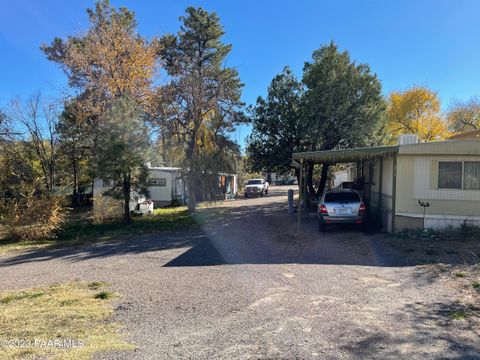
{"x": 254, "y": 182}
{"x": 342, "y": 197}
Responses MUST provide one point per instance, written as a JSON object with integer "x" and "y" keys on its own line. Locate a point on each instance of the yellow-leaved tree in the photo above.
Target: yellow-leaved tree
{"x": 109, "y": 61}
{"x": 113, "y": 68}
{"x": 415, "y": 111}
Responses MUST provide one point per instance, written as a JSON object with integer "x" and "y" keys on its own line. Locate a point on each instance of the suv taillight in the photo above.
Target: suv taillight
{"x": 322, "y": 209}
{"x": 362, "y": 209}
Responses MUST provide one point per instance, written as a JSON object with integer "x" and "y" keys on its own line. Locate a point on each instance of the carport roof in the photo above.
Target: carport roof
{"x": 347, "y": 155}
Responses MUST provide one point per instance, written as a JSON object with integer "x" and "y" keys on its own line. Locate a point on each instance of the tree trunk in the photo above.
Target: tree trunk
{"x": 192, "y": 175}
{"x": 323, "y": 179}
{"x": 297, "y": 174}
{"x": 309, "y": 179}
{"x": 75, "y": 181}
{"x": 52, "y": 176}
{"x": 126, "y": 199}
{"x": 192, "y": 200}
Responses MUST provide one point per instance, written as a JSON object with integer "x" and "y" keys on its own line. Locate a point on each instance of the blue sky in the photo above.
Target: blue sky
{"x": 432, "y": 42}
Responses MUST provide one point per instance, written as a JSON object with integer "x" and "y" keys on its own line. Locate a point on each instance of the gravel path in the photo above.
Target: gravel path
{"x": 248, "y": 287}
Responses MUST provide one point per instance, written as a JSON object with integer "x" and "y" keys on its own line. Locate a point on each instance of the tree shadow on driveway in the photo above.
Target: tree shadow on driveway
{"x": 125, "y": 245}
{"x": 251, "y": 231}
{"x": 269, "y": 235}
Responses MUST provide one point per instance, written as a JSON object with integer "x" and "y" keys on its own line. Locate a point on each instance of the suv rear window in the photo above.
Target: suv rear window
{"x": 342, "y": 197}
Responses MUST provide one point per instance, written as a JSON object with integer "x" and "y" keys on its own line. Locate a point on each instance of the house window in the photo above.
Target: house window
{"x": 471, "y": 178}
{"x": 221, "y": 181}
{"x": 459, "y": 175}
{"x": 158, "y": 182}
{"x": 450, "y": 175}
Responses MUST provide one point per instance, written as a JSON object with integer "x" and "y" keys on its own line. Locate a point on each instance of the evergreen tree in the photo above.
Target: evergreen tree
{"x": 279, "y": 127}
{"x": 123, "y": 150}
{"x": 75, "y": 146}
{"x": 337, "y": 105}
{"x": 343, "y": 104}
{"x": 202, "y": 103}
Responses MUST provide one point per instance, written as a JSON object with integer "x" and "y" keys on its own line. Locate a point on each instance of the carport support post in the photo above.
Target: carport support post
{"x": 300, "y": 196}
{"x": 305, "y": 195}
{"x": 290, "y": 201}
{"x": 380, "y": 194}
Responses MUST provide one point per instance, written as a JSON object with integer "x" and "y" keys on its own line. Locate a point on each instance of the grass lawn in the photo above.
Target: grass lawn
{"x": 79, "y": 229}
{"x": 62, "y": 321}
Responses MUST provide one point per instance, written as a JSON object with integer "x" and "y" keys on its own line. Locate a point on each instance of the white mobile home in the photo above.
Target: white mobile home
{"x": 165, "y": 185}
{"x": 396, "y": 180}
{"x": 106, "y": 206}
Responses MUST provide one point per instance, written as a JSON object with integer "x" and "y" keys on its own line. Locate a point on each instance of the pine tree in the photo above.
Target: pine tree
{"x": 202, "y": 102}
{"x": 124, "y": 149}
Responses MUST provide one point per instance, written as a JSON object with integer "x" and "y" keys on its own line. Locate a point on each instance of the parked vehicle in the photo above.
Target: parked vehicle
{"x": 257, "y": 187}
{"x": 344, "y": 206}
{"x": 286, "y": 182}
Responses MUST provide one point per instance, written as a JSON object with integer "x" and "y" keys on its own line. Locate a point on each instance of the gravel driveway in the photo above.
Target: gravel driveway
{"x": 249, "y": 287}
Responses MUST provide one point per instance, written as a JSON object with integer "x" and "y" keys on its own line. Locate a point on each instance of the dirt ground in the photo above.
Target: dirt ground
{"x": 249, "y": 286}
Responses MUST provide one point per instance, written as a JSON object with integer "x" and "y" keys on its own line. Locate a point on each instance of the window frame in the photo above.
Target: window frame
{"x": 462, "y": 185}
{"x": 162, "y": 182}
{"x": 463, "y": 178}
{"x": 438, "y": 175}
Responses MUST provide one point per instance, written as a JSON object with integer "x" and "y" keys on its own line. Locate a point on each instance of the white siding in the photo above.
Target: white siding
{"x": 387, "y": 177}
{"x": 425, "y": 185}
{"x": 340, "y": 177}
{"x": 161, "y": 193}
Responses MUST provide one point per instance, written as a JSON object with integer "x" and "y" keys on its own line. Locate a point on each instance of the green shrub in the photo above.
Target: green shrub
{"x": 96, "y": 284}
{"x": 459, "y": 315}
{"x": 103, "y": 295}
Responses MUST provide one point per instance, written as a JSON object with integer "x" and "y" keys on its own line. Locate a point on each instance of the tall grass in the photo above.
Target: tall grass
{"x": 79, "y": 230}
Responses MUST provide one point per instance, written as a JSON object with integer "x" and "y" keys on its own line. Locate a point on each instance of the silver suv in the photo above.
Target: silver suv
{"x": 341, "y": 206}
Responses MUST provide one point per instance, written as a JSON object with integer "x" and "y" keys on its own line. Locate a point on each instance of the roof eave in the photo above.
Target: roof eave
{"x": 347, "y": 155}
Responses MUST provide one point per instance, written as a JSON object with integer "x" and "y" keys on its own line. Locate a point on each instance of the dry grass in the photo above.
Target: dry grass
{"x": 31, "y": 217}
{"x": 61, "y": 312}
{"x": 460, "y": 246}
{"x": 79, "y": 229}
{"x": 464, "y": 280}
{"x": 451, "y": 257}
{"x": 7, "y": 246}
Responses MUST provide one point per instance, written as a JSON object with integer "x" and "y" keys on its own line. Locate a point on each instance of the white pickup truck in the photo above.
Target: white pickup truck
{"x": 256, "y": 187}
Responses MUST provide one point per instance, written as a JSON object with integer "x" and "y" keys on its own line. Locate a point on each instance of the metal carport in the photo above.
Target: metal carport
{"x": 355, "y": 155}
